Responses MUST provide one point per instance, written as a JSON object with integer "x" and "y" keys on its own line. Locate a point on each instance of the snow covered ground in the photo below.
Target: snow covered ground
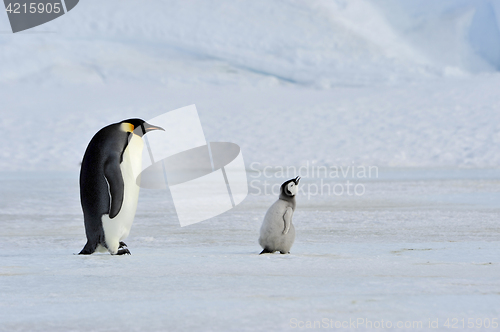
{"x": 411, "y": 88}
{"x": 437, "y": 123}
{"x": 379, "y": 84}
{"x": 419, "y": 245}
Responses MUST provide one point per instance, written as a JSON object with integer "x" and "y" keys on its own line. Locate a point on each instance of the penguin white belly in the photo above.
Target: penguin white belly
{"x": 118, "y": 228}
{"x": 271, "y": 232}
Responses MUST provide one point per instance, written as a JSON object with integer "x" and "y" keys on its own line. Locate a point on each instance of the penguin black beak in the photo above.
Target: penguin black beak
{"x": 148, "y": 127}
{"x": 145, "y": 128}
{"x": 296, "y": 180}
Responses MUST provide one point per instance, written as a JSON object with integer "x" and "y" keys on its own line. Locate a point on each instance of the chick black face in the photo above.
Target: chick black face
{"x": 139, "y": 126}
{"x": 290, "y": 188}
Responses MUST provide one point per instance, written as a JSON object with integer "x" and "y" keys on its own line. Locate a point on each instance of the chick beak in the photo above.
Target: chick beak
{"x": 296, "y": 180}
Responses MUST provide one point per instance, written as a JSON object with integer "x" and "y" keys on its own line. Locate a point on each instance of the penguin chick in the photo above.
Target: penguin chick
{"x": 108, "y": 188}
{"x": 277, "y": 232}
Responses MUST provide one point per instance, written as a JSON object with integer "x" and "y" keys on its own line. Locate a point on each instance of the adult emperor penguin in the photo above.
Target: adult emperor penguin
{"x": 108, "y": 188}
{"x": 277, "y": 232}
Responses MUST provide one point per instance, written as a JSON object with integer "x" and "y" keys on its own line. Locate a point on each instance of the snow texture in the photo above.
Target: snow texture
{"x": 410, "y": 87}
{"x": 387, "y": 84}
{"x": 418, "y": 245}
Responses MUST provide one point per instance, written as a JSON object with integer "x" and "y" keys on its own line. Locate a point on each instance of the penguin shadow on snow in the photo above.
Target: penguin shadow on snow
{"x": 277, "y": 232}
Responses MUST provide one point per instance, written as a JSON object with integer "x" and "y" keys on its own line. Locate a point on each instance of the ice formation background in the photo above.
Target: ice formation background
{"x": 409, "y": 87}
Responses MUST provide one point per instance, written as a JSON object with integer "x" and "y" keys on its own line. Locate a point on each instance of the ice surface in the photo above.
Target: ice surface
{"x": 418, "y": 245}
{"x": 409, "y": 87}
{"x": 382, "y": 83}
{"x": 441, "y": 123}
{"x": 318, "y": 42}
{"x": 389, "y": 83}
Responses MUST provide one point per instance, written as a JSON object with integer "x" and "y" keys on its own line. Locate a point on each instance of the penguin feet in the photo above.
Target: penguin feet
{"x": 266, "y": 251}
{"x": 123, "y": 251}
{"x": 282, "y": 252}
{"x": 122, "y": 244}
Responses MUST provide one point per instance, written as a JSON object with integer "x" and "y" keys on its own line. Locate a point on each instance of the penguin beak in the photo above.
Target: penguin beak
{"x": 148, "y": 127}
{"x": 145, "y": 128}
{"x": 296, "y": 180}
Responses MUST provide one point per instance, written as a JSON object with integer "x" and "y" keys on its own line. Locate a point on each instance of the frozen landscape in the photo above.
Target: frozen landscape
{"x": 411, "y": 89}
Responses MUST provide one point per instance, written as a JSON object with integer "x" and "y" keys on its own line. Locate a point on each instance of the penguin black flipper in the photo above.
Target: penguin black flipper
{"x": 113, "y": 175}
{"x": 102, "y": 184}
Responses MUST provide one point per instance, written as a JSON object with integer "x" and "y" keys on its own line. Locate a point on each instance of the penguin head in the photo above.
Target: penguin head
{"x": 290, "y": 188}
{"x": 138, "y": 127}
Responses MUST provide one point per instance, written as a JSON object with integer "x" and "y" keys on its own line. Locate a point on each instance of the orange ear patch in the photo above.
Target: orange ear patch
{"x": 127, "y": 127}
